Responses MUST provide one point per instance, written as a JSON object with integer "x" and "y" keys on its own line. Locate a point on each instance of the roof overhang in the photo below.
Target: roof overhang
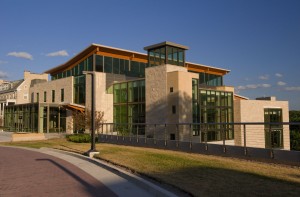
{"x": 130, "y": 55}
{"x": 239, "y": 97}
{"x": 74, "y": 107}
{"x": 166, "y": 43}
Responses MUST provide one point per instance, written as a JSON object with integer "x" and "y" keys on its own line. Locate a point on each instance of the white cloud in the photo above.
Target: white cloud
{"x": 278, "y": 75}
{"x": 24, "y": 55}
{"x": 292, "y": 88}
{"x": 241, "y": 88}
{"x": 2, "y": 62}
{"x": 281, "y": 83}
{"x": 264, "y": 77}
{"x": 253, "y": 86}
{"x": 264, "y": 85}
{"x": 58, "y": 53}
{"x": 3, "y": 75}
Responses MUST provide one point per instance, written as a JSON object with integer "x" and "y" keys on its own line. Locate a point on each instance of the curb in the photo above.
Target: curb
{"x": 135, "y": 179}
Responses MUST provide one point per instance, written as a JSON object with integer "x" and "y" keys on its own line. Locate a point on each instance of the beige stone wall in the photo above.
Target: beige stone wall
{"x": 156, "y": 88}
{"x": 181, "y": 98}
{"x": 253, "y": 111}
{"x": 104, "y": 101}
{"x": 160, "y": 101}
{"x": 57, "y": 85}
{"x": 23, "y": 95}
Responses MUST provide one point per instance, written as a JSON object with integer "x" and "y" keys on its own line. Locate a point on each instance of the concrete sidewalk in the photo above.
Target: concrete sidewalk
{"x": 5, "y": 136}
{"x": 120, "y": 182}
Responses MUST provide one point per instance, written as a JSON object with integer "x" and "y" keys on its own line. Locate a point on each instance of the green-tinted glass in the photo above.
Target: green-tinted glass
{"x": 99, "y": 63}
{"x": 116, "y": 93}
{"x": 123, "y": 93}
{"x": 108, "y": 65}
{"x": 116, "y": 66}
{"x": 89, "y": 63}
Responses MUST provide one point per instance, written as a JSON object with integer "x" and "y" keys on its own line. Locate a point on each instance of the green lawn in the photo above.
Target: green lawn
{"x": 200, "y": 175}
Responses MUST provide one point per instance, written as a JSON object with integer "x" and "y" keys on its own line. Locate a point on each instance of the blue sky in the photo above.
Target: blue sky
{"x": 258, "y": 40}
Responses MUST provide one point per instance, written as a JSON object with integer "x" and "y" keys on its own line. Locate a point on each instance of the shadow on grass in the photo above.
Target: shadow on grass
{"x": 205, "y": 181}
{"x": 71, "y": 149}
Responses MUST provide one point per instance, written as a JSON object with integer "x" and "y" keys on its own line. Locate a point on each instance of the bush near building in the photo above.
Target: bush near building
{"x": 79, "y": 138}
{"x": 295, "y": 130}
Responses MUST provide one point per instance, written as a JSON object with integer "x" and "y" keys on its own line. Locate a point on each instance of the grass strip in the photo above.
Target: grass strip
{"x": 200, "y": 175}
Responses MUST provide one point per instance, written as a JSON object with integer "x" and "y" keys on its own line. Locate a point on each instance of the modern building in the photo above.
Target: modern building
{"x": 159, "y": 87}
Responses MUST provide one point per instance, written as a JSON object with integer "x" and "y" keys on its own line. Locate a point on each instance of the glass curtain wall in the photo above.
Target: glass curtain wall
{"x": 216, "y": 107}
{"x": 166, "y": 55}
{"x": 120, "y": 66}
{"x": 85, "y": 65}
{"x": 79, "y": 89}
{"x": 210, "y": 79}
{"x": 24, "y": 118}
{"x": 21, "y": 118}
{"x": 129, "y": 106}
{"x": 273, "y": 132}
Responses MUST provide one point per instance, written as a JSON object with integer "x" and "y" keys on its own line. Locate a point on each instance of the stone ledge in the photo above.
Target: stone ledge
{"x": 17, "y": 137}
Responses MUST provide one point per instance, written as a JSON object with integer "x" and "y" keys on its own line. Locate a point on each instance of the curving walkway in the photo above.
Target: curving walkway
{"x": 31, "y": 173}
{"x": 50, "y": 172}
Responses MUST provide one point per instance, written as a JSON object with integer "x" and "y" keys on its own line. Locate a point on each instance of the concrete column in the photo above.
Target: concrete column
{"x": 40, "y": 119}
{"x": 48, "y": 118}
{"x": 59, "y": 119}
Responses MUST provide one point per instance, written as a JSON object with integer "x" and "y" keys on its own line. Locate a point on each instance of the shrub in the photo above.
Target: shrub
{"x": 79, "y": 138}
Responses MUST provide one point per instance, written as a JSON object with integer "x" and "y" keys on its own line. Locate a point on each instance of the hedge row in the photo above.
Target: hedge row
{"x": 79, "y": 138}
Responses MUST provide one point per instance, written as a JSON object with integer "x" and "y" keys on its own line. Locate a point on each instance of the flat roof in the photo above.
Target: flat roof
{"x": 166, "y": 43}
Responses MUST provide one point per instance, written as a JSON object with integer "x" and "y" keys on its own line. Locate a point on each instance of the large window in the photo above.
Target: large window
{"x": 216, "y": 107}
{"x": 21, "y": 118}
{"x": 85, "y": 65}
{"x": 129, "y": 106}
{"x": 99, "y": 63}
{"x": 107, "y": 65}
{"x": 210, "y": 79}
{"x": 53, "y": 96}
{"x": 45, "y": 96}
{"x": 79, "y": 90}
{"x": 166, "y": 55}
{"x": 62, "y": 95}
{"x": 273, "y": 131}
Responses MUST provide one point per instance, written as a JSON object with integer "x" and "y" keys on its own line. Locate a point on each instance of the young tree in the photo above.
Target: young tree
{"x": 83, "y": 121}
{"x": 78, "y": 122}
{"x": 99, "y": 120}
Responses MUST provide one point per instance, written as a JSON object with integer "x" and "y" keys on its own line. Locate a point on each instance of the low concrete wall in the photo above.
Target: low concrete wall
{"x": 249, "y": 153}
{"x": 17, "y": 137}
